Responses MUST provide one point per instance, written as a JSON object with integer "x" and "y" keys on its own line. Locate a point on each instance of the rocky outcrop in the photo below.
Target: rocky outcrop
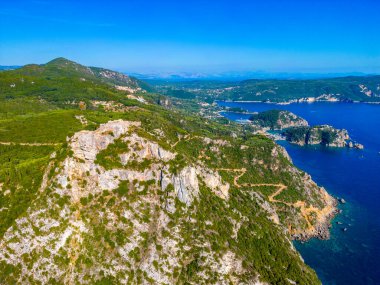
{"x": 327, "y": 135}
{"x": 288, "y": 119}
{"x": 353, "y": 144}
{"x": 277, "y": 120}
{"x": 320, "y": 135}
{"x": 185, "y": 185}
{"x": 298, "y": 131}
{"x": 214, "y": 181}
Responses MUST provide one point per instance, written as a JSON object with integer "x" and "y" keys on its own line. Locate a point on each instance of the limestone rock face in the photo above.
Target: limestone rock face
{"x": 87, "y": 144}
{"x": 186, "y": 185}
{"x": 288, "y": 119}
{"x": 214, "y": 181}
{"x": 144, "y": 150}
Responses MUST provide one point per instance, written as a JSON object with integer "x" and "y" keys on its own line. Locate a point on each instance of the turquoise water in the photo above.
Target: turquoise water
{"x": 353, "y": 256}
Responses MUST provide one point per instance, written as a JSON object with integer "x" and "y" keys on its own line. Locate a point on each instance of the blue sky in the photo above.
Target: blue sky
{"x": 195, "y": 36}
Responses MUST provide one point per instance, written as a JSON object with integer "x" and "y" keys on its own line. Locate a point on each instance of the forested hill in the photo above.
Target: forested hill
{"x": 352, "y": 88}
{"x": 62, "y": 80}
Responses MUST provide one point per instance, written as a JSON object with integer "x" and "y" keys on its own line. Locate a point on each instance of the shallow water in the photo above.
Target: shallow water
{"x": 353, "y": 256}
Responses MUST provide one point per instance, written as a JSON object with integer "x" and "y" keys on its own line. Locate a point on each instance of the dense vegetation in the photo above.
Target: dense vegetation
{"x": 304, "y": 135}
{"x": 297, "y": 134}
{"x": 21, "y": 170}
{"x": 266, "y": 119}
{"x": 63, "y": 83}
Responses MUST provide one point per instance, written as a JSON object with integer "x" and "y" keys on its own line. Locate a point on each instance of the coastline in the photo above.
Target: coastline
{"x": 296, "y": 102}
{"x": 321, "y": 230}
{"x": 317, "y": 219}
{"x": 321, "y": 217}
{"x": 350, "y": 234}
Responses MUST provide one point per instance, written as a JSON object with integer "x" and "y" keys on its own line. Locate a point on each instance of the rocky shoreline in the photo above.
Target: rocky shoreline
{"x": 320, "y": 135}
{"x": 318, "y": 218}
{"x": 296, "y": 130}
{"x": 322, "y": 229}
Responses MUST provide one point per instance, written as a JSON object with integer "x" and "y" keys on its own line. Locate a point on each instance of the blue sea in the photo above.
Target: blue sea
{"x": 352, "y": 256}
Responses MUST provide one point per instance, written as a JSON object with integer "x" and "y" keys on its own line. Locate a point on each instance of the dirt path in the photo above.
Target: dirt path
{"x": 179, "y": 140}
{"x": 184, "y": 138}
{"x": 242, "y": 172}
{"x": 306, "y": 212}
{"x": 30, "y": 144}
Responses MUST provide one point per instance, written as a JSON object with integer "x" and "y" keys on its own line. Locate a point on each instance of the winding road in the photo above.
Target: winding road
{"x": 306, "y": 212}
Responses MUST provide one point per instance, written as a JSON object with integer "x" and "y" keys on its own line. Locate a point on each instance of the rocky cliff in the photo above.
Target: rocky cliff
{"x": 122, "y": 207}
{"x": 320, "y": 135}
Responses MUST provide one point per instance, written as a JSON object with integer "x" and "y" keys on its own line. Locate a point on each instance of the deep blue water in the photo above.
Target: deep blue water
{"x": 351, "y": 257}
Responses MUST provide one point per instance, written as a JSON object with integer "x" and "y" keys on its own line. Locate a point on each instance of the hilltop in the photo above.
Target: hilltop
{"x": 136, "y": 188}
{"x": 63, "y": 67}
{"x": 61, "y": 81}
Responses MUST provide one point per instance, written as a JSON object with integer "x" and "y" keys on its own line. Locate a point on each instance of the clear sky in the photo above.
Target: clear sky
{"x": 204, "y": 36}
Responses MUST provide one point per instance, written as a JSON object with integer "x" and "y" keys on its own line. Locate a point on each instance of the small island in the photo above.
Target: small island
{"x": 296, "y": 130}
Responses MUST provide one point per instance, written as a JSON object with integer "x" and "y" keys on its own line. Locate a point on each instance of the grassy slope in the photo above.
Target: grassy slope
{"x": 62, "y": 82}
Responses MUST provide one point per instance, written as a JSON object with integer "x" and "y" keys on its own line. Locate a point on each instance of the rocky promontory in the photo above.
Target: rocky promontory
{"x": 320, "y": 135}
{"x": 296, "y": 130}
{"x": 277, "y": 120}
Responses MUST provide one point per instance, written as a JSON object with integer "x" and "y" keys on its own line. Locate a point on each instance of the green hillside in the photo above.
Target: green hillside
{"x": 63, "y": 82}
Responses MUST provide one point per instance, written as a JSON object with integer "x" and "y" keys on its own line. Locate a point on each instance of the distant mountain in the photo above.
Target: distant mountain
{"x": 60, "y": 66}
{"x": 9, "y": 67}
{"x": 349, "y": 88}
{"x": 243, "y": 75}
{"x": 182, "y": 76}
{"x": 64, "y": 80}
